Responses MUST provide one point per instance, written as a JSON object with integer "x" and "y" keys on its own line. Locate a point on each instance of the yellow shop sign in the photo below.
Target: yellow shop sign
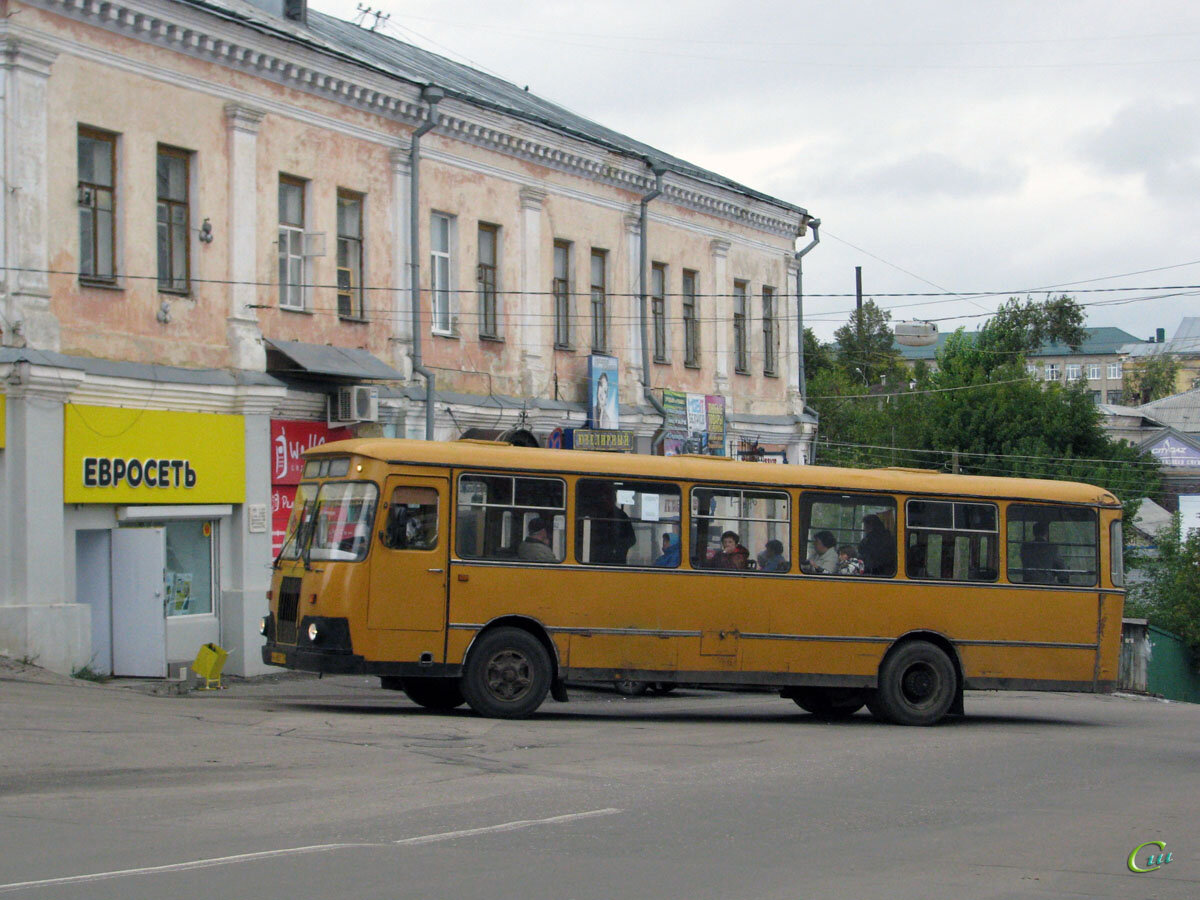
{"x": 114, "y": 455}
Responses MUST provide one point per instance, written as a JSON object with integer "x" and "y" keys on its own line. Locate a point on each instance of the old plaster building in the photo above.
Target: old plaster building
{"x": 212, "y": 216}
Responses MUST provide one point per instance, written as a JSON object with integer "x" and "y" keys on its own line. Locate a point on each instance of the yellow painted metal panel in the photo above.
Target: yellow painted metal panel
{"x": 144, "y": 456}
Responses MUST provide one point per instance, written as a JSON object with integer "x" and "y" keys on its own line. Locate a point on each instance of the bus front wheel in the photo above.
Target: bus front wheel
{"x": 507, "y": 675}
{"x": 917, "y": 684}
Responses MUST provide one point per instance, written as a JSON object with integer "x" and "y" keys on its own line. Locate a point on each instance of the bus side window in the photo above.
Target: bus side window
{"x": 864, "y": 525}
{"x": 412, "y": 519}
{"x": 621, "y": 523}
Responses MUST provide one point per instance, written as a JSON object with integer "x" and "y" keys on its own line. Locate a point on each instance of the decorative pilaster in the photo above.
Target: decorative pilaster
{"x": 400, "y": 303}
{"x": 24, "y": 235}
{"x": 720, "y": 308}
{"x": 629, "y": 307}
{"x": 533, "y": 323}
{"x": 245, "y": 337}
{"x": 792, "y": 336}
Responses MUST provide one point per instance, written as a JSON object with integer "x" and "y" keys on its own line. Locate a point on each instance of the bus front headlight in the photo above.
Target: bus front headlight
{"x": 262, "y": 626}
{"x": 314, "y": 633}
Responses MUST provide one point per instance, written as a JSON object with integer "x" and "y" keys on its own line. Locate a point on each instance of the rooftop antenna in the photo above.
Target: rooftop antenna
{"x": 380, "y": 16}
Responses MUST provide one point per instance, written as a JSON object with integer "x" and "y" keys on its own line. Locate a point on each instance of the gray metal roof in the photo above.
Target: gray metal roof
{"x": 382, "y": 53}
{"x": 321, "y": 359}
{"x": 1100, "y": 341}
{"x": 143, "y": 371}
{"x": 1179, "y": 411}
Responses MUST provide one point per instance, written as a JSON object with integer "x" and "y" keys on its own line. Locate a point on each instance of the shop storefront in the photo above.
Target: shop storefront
{"x": 151, "y": 496}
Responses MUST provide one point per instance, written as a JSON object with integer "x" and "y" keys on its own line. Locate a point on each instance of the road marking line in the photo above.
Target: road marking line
{"x": 296, "y": 851}
{"x": 179, "y": 867}
{"x": 507, "y": 826}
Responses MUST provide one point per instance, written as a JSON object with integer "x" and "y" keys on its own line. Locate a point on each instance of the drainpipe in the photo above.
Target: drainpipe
{"x": 643, "y": 277}
{"x": 430, "y": 95}
{"x": 815, "y": 225}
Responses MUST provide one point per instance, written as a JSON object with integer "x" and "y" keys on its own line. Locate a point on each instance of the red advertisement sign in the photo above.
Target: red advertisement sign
{"x": 289, "y": 440}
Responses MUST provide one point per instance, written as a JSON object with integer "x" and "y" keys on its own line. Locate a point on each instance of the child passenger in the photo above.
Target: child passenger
{"x": 848, "y": 563}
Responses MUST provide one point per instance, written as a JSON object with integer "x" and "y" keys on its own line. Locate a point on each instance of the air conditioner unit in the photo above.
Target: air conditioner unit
{"x": 357, "y": 403}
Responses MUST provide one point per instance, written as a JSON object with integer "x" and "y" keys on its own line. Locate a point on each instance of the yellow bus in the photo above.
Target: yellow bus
{"x": 483, "y": 573}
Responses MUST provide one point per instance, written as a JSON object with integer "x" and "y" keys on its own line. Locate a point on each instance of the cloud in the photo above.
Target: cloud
{"x": 931, "y": 174}
{"x": 1159, "y": 143}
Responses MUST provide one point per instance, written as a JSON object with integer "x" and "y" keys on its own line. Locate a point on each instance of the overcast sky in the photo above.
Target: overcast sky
{"x": 972, "y": 148}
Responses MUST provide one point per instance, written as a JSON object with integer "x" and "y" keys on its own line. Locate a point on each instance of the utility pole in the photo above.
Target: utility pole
{"x": 858, "y": 320}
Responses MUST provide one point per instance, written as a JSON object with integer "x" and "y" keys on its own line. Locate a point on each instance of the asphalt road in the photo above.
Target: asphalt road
{"x": 334, "y": 788}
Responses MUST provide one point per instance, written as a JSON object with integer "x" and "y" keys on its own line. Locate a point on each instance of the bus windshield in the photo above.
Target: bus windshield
{"x": 333, "y": 523}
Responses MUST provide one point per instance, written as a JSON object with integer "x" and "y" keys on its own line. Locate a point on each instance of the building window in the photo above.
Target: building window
{"x": 173, "y": 219}
{"x": 1033, "y": 370}
{"x": 97, "y": 198}
{"x": 440, "y": 238}
{"x": 292, "y": 292}
{"x": 1116, "y": 398}
{"x": 1073, "y": 371}
{"x": 190, "y": 568}
{"x": 599, "y": 301}
{"x": 741, "y": 355}
{"x": 1114, "y": 370}
{"x": 1093, "y": 370}
{"x": 350, "y": 255}
{"x": 562, "y": 294}
{"x": 1052, "y": 371}
{"x": 691, "y": 325}
{"x": 658, "y": 310}
{"x": 485, "y": 279}
{"x": 770, "y": 333}
{"x": 1095, "y": 395}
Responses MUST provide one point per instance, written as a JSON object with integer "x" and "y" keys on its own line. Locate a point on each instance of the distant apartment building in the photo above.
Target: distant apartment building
{"x": 1184, "y": 346}
{"x": 1099, "y": 361}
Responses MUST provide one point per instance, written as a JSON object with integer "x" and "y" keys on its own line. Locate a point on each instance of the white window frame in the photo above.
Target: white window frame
{"x": 1114, "y": 370}
{"x": 1093, "y": 371}
{"x": 1073, "y": 370}
{"x": 1051, "y": 371}
{"x": 443, "y": 307}
{"x": 291, "y": 237}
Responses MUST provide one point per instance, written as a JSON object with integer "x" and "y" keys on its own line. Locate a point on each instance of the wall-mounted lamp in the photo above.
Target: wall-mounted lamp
{"x": 206, "y": 233}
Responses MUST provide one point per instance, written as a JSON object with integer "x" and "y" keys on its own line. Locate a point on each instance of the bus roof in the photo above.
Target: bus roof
{"x": 498, "y": 455}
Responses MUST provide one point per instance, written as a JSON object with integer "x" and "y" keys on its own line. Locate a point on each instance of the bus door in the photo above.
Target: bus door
{"x": 409, "y": 560}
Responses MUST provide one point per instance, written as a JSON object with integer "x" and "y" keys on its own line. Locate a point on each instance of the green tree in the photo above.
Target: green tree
{"x": 817, "y": 356}
{"x": 1151, "y": 378}
{"x": 1170, "y": 595}
{"x": 982, "y": 412}
{"x": 865, "y": 346}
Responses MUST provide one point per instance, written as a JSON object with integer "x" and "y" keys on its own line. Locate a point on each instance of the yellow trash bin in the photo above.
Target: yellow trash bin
{"x": 209, "y": 662}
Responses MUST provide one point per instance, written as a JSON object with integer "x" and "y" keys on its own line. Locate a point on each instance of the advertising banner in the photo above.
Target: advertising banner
{"x": 715, "y": 410}
{"x": 289, "y": 440}
{"x": 603, "y": 410}
{"x": 145, "y": 456}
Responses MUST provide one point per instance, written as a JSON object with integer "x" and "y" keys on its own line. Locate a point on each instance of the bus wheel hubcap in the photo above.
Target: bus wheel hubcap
{"x": 509, "y": 675}
{"x": 919, "y": 683}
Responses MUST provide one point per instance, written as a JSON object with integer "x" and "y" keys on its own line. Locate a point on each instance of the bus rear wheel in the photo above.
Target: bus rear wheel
{"x": 433, "y": 693}
{"x": 507, "y": 675}
{"x": 917, "y": 684}
{"x": 829, "y": 703}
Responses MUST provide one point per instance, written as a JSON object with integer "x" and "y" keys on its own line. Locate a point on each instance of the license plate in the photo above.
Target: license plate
{"x": 277, "y": 657}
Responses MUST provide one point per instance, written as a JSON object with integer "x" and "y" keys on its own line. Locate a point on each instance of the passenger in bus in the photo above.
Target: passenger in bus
{"x": 733, "y": 555}
{"x": 877, "y": 549}
{"x": 536, "y": 547}
{"x": 771, "y": 559}
{"x": 848, "y": 562}
{"x": 824, "y": 558}
{"x": 669, "y": 558}
{"x": 612, "y": 532}
{"x": 1040, "y": 559}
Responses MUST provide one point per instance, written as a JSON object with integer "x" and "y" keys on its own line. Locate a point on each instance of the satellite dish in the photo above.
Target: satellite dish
{"x": 915, "y": 333}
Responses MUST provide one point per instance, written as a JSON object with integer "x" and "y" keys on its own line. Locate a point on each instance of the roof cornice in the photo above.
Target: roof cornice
{"x": 303, "y": 63}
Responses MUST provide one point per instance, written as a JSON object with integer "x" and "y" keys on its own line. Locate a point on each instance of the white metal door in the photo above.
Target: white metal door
{"x": 139, "y": 632}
